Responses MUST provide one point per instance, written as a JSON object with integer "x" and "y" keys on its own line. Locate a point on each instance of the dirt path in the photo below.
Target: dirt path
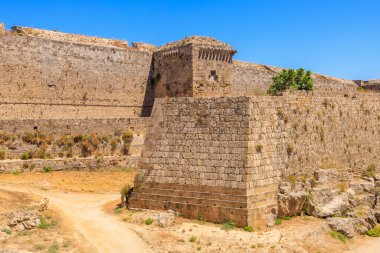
{"x": 88, "y": 223}
{"x": 370, "y": 246}
{"x": 101, "y": 231}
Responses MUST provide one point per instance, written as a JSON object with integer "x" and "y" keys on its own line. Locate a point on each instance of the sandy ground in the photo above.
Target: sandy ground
{"x": 84, "y": 202}
{"x": 367, "y": 246}
{"x": 73, "y": 181}
{"x": 101, "y": 232}
{"x": 59, "y": 234}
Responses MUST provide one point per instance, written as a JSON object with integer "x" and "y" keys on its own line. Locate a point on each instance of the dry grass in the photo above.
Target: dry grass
{"x": 74, "y": 181}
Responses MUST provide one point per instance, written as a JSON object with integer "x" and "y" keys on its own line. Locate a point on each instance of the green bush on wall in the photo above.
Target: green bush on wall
{"x": 291, "y": 79}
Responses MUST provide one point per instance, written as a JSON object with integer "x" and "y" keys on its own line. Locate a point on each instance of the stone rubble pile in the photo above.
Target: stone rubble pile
{"x": 348, "y": 207}
{"x": 160, "y": 218}
{"x": 23, "y": 219}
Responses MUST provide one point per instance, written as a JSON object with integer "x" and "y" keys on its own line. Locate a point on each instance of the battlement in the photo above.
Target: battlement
{"x": 199, "y": 41}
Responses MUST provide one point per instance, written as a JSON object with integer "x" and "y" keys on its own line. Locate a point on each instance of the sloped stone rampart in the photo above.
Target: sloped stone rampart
{"x": 222, "y": 158}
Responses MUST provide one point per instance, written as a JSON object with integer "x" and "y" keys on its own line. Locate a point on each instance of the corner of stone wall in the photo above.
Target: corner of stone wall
{"x": 2, "y": 29}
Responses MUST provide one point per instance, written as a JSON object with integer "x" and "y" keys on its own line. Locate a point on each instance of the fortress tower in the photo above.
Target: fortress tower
{"x": 193, "y": 67}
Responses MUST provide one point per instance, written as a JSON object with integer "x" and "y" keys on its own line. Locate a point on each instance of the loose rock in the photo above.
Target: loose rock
{"x": 326, "y": 202}
{"x": 291, "y": 202}
{"x": 21, "y": 220}
{"x": 342, "y": 225}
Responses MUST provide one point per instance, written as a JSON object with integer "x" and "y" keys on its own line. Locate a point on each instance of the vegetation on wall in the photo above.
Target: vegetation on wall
{"x": 291, "y": 79}
{"x": 30, "y": 145}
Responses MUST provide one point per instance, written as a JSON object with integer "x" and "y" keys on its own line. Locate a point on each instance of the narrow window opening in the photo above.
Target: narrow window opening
{"x": 213, "y": 76}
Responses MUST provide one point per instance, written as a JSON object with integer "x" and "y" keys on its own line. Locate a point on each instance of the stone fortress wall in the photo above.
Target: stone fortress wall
{"x": 373, "y": 85}
{"x": 67, "y": 37}
{"x": 67, "y": 126}
{"x": 215, "y": 151}
{"x": 222, "y": 159}
{"x": 255, "y": 79}
{"x": 47, "y": 77}
{"x": 54, "y": 75}
{"x": 194, "y": 159}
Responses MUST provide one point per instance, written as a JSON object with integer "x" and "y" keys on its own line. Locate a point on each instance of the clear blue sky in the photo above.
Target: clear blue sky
{"x": 334, "y": 37}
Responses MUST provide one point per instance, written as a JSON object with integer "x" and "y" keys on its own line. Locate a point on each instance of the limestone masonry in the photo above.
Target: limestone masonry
{"x": 216, "y": 146}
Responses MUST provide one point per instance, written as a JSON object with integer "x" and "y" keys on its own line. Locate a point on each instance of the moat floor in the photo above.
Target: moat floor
{"x": 83, "y": 203}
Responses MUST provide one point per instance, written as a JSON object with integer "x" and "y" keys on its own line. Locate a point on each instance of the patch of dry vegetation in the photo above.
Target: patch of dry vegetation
{"x": 74, "y": 181}
{"x": 51, "y": 234}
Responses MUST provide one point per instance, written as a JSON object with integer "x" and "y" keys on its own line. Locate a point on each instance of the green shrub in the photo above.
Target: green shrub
{"x": 65, "y": 140}
{"x": 26, "y": 156}
{"x": 4, "y": 137}
{"x": 7, "y": 231}
{"x": 248, "y": 228}
{"x": 360, "y": 89}
{"x": 127, "y": 136}
{"x": 291, "y": 79}
{"x": 229, "y": 225}
{"x": 127, "y": 139}
{"x": 29, "y": 138}
{"x": 280, "y": 219}
{"x": 41, "y": 154}
{"x": 47, "y": 169}
{"x": 45, "y": 224}
{"x": 193, "y": 238}
{"x": 86, "y": 147}
{"x": 16, "y": 173}
{"x": 114, "y": 142}
{"x": 124, "y": 190}
{"x": 78, "y": 138}
{"x": 375, "y": 232}
{"x": 149, "y": 221}
{"x": 2, "y": 154}
{"x": 370, "y": 172}
{"x": 53, "y": 248}
{"x": 118, "y": 210}
{"x": 39, "y": 247}
{"x": 338, "y": 235}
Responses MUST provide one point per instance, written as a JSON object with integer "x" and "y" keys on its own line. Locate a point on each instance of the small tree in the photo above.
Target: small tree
{"x": 125, "y": 192}
{"x": 291, "y": 79}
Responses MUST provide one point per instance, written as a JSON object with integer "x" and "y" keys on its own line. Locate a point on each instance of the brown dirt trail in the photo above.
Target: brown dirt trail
{"x": 103, "y": 232}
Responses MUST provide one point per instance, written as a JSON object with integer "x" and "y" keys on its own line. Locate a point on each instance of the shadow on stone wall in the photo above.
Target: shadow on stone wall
{"x": 149, "y": 94}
